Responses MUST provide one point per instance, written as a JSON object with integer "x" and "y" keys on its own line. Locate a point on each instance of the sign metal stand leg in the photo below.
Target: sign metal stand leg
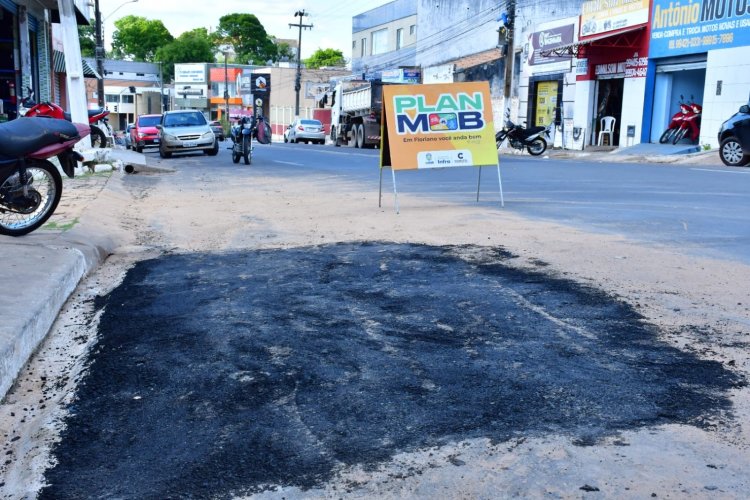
{"x": 500, "y": 183}
{"x": 395, "y": 192}
{"x": 479, "y": 182}
{"x": 380, "y": 189}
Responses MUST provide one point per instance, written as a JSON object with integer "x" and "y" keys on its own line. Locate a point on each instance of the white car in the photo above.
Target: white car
{"x": 305, "y": 130}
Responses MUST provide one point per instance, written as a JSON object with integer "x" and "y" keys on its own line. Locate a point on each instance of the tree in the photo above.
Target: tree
{"x": 191, "y": 47}
{"x": 325, "y": 57}
{"x": 284, "y": 51}
{"x": 248, "y": 37}
{"x": 139, "y": 38}
{"x": 87, "y": 37}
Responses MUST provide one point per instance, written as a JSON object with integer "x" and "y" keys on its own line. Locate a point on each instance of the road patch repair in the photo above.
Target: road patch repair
{"x": 237, "y": 373}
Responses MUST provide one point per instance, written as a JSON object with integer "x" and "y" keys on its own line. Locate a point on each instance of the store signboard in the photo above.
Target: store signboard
{"x": 601, "y": 16}
{"x": 699, "y": 26}
{"x": 188, "y": 90}
{"x": 190, "y": 73}
{"x": 400, "y": 75}
{"x": 548, "y": 39}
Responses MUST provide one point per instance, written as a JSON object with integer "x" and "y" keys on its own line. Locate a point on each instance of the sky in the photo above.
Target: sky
{"x": 331, "y": 19}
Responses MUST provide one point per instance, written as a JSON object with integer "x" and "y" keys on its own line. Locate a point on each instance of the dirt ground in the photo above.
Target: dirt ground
{"x": 701, "y": 304}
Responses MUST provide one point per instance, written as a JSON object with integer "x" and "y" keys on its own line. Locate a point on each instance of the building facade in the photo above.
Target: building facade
{"x": 384, "y": 38}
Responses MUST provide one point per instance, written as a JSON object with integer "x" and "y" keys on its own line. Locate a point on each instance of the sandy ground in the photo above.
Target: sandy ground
{"x": 701, "y": 305}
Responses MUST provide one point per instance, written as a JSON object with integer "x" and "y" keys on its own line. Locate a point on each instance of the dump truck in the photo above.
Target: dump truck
{"x": 356, "y": 107}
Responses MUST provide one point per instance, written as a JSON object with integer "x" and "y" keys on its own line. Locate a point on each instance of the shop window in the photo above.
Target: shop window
{"x": 399, "y": 38}
{"x": 380, "y": 41}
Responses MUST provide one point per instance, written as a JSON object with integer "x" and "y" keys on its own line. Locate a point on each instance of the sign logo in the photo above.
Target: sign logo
{"x": 459, "y": 112}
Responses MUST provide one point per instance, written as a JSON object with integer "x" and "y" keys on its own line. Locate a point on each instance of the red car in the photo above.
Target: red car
{"x": 144, "y": 133}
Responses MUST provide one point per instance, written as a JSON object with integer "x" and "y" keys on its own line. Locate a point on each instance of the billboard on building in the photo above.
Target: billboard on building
{"x": 548, "y": 39}
{"x": 190, "y": 73}
{"x": 698, "y": 26}
{"x": 400, "y": 76}
{"x": 601, "y": 16}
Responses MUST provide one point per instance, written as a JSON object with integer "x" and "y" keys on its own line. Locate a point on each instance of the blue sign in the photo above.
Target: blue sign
{"x": 691, "y": 26}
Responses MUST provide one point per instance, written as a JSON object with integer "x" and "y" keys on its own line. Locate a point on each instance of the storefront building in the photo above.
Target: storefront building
{"x": 699, "y": 52}
{"x": 547, "y": 78}
{"x": 612, "y": 66}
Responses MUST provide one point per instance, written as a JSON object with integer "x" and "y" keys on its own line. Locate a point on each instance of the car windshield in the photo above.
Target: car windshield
{"x": 310, "y": 122}
{"x": 184, "y": 119}
{"x": 149, "y": 121}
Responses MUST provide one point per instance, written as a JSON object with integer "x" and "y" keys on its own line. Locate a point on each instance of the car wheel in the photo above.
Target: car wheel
{"x": 139, "y": 149}
{"x": 286, "y": 139}
{"x": 214, "y": 150}
{"x": 731, "y": 153}
{"x": 164, "y": 154}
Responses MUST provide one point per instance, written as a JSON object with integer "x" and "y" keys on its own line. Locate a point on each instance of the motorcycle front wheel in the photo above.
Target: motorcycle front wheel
{"x": 679, "y": 135}
{"x": 499, "y": 138}
{"x": 667, "y": 135}
{"x": 24, "y": 210}
{"x": 537, "y": 146}
{"x": 246, "y": 149}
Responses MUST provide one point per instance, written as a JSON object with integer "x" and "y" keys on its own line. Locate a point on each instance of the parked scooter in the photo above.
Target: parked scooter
{"x": 242, "y": 140}
{"x": 690, "y": 127}
{"x": 31, "y": 186}
{"x": 101, "y": 132}
{"x": 520, "y": 137}
{"x": 676, "y": 121}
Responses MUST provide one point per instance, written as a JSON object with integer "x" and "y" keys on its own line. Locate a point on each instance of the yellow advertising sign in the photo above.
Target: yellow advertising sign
{"x": 436, "y": 126}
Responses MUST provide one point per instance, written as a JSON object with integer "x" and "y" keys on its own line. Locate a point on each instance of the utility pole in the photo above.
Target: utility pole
{"x": 511, "y": 53}
{"x": 99, "y": 53}
{"x": 298, "y": 79}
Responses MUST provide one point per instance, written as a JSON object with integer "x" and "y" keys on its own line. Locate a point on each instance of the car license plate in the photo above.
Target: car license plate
{"x": 156, "y": 141}
{"x": 190, "y": 144}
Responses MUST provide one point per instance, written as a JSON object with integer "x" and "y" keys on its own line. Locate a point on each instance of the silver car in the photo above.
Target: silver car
{"x": 186, "y": 130}
{"x": 304, "y": 130}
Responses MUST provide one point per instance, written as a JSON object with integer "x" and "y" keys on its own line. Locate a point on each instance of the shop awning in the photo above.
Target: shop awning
{"x": 58, "y": 61}
{"x": 626, "y": 38}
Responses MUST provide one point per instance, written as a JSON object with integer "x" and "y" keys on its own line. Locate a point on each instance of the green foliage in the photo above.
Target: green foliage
{"x": 138, "y": 38}
{"x": 191, "y": 47}
{"x": 325, "y": 57}
{"x": 248, "y": 37}
{"x": 284, "y": 50}
{"x": 706, "y": 147}
{"x": 87, "y": 39}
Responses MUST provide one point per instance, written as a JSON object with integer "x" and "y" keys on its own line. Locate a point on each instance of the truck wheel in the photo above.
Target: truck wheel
{"x": 334, "y": 137}
{"x": 360, "y": 138}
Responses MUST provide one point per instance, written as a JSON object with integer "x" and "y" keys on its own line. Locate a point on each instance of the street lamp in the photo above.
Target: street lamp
{"x": 99, "y": 52}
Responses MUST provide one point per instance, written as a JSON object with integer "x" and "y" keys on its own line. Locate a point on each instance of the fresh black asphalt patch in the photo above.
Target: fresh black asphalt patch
{"x": 222, "y": 374}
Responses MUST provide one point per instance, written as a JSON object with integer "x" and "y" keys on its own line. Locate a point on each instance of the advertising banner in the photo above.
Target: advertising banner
{"x": 549, "y": 39}
{"x": 401, "y": 75}
{"x": 438, "y": 125}
{"x": 601, "y": 16}
{"x": 260, "y": 83}
{"x": 698, "y": 26}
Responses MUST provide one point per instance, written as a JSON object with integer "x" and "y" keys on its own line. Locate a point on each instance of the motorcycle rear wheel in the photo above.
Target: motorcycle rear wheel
{"x": 537, "y": 146}
{"x": 98, "y": 139}
{"x": 44, "y": 184}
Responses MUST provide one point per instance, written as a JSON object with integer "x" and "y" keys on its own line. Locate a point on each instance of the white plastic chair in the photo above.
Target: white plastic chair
{"x": 608, "y": 129}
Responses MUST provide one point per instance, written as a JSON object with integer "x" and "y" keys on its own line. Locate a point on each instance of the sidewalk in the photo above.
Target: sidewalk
{"x": 42, "y": 269}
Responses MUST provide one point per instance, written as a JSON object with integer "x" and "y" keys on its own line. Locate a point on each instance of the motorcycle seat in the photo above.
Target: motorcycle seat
{"x": 23, "y": 136}
{"x": 97, "y": 111}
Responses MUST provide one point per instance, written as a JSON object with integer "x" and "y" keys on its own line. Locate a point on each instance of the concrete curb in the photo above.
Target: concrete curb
{"x": 43, "y": 270}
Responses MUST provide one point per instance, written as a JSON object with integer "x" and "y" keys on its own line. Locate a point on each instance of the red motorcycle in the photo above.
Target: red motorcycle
{"x": 31, "y": 186}
{"x": 676, "y": 122}
{"x": 101, "y": 133}
{"x": 690, "y": 127}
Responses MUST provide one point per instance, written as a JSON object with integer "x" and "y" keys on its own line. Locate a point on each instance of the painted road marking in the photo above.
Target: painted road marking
{"x": 289, "y": 163}
{"x": 722, "y": 171}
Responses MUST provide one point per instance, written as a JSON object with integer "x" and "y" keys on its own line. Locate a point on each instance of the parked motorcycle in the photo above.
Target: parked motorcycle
{"x": 242, "y": 140}
{"x": 676, "y": 121}
{"x": 31, "y": 186}
{"x": 690, "y": 127}
{"x": 101, "y": 132}
{"x": 520, "y": 137}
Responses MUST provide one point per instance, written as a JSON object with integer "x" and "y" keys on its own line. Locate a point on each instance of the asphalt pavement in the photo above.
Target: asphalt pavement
{"x": 43, "y": 269}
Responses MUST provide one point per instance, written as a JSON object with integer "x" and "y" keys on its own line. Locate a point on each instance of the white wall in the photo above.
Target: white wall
{"x": 632, "y": 114}
{"x": 732, "y": 67}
